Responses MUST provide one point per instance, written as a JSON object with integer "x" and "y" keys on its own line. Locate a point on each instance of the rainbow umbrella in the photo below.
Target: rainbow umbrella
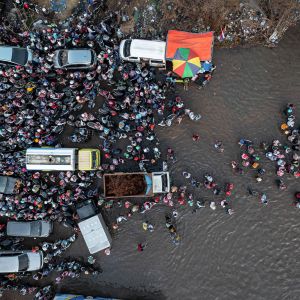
{"x": 186, "y": 63}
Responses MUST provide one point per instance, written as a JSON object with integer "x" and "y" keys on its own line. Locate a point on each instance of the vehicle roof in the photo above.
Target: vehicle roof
{"x": 79, "y": 56}
{"x": 9, "y": 264}
{"x": 84, "y": 159}
{"x": 39, "y": 164}
{"x": 21, "y": 228}
{"x": 6, "y": 53}
{"x": 95, "y": 235}
{"x": 148, "y": 49}
{"x": 35, "y": 260}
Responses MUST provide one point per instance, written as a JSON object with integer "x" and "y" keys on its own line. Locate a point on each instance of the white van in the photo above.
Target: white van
{"x": 20, "y": 261}
{"x": 137, "y": 51}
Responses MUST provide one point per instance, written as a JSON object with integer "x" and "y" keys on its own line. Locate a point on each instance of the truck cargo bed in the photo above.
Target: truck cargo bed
{"x": 124, "y": 185}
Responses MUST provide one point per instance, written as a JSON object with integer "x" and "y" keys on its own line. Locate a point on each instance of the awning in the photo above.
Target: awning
{"x": 200, "y": 43}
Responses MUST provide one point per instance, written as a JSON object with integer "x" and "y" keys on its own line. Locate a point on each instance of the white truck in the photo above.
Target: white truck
{"x": 93, "y": 227}
{"x": 62, "y": 159}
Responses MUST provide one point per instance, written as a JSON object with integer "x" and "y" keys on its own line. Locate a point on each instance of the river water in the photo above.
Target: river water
{"x": 253, "y": 254}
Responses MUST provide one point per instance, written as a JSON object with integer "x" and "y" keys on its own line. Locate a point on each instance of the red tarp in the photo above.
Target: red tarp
{"x": 200, "y": 43}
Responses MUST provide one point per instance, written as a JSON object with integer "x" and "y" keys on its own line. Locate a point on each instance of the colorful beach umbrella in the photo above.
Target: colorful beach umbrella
{"x": 186, "y": 63}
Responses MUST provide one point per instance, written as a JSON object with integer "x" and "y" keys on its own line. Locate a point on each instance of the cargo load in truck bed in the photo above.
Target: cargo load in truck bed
{"x": 124, "y": 185}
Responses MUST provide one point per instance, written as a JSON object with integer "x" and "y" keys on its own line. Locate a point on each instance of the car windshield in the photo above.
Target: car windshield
{"x": 127, "y": 48}
{"x": 23, "y": 262}
{"x": 19, "y": 56}
{"x": 63, "y": 58}
{"x": 94, "y": 160}
{"x": 164, "y": 179}
{"x": 35, "y": 228}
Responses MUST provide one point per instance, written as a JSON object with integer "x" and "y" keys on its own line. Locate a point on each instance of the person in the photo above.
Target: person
{"x": 213, "y": 205}
{"x": 186, "y": 82}
{"x": 258, "y": 178}
{"x": 140, "y": 247}
{"x": 219, "y": 146}
{"x": 91, "y": 260}
{"x": 252, "y": 192}
{"x": 263, "y": 199}
{"x": 186, "y": 175}
{"x": 281, "y": 185}
{"x": 196, "y": 137}
{"x": 244, "y": 142}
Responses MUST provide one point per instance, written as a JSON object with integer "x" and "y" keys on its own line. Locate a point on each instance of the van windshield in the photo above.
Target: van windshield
{"x": 94, "y": 160}
{"x": 127, "y": 48}
{"x": 164, "y": 179}
{"x": 23, "y": 262}
{"x": 63, "y": 58}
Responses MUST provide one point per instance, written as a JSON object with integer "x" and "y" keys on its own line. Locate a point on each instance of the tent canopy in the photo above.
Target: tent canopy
{"x": 200, "y": 43}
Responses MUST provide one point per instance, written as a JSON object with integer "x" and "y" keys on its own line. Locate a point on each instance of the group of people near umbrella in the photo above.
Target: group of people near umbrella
{"x": 191, "y": 56}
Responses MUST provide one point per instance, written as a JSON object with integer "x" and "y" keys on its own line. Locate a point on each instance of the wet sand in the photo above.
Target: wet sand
{"x": 253, "y": 254}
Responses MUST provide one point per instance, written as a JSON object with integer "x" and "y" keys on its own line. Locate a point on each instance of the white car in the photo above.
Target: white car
{"x": 152, "y": 52}
{"x": 74, "y": 59}
{"x": 15, "y": 56}
{"x": 20, "y": 261}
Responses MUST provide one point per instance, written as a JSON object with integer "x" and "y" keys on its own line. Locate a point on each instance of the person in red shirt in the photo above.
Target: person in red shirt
{"x": 140, "y": 247}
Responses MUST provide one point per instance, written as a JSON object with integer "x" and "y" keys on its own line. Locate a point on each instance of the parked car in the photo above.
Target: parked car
{"x": 9, "y": 185}
{"x": 29, "y": 229}
{"x": 15, "y": 56}
{"x": 75, "y": 59}
{"x": 20, "y": 261}
{"x": 136, "y": 51}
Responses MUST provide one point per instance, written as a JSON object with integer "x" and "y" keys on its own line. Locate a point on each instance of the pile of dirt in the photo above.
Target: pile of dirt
{"x": 125, "y": 185}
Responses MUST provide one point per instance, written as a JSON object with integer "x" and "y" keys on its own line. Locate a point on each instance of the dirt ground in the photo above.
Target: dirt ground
{"x": 71, "y": 5}
{"x": 244, "y": 22}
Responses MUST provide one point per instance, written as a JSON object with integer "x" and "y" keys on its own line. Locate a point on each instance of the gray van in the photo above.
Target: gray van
{"x": 20, "y": 261}
{"x": 29, "y": 229}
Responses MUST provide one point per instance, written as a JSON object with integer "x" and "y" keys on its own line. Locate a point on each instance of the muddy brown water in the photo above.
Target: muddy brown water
{"x": 253, "y": 254}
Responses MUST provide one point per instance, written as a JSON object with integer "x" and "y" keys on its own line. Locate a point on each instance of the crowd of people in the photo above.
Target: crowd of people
{"x": 38, "y": 102}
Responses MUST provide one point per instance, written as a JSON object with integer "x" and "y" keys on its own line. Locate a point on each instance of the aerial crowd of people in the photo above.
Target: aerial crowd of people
{"x": 38, "y": 102}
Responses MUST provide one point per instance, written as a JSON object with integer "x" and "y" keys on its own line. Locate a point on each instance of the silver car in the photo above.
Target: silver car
{"x": 74, "y": 59}
{"x": 15, "y": 56}
{"x": 29, "y": 229}
{"x": 20, "y": 261}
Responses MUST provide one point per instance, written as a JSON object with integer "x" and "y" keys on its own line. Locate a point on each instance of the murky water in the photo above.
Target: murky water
{"x": 253, "y": 254}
